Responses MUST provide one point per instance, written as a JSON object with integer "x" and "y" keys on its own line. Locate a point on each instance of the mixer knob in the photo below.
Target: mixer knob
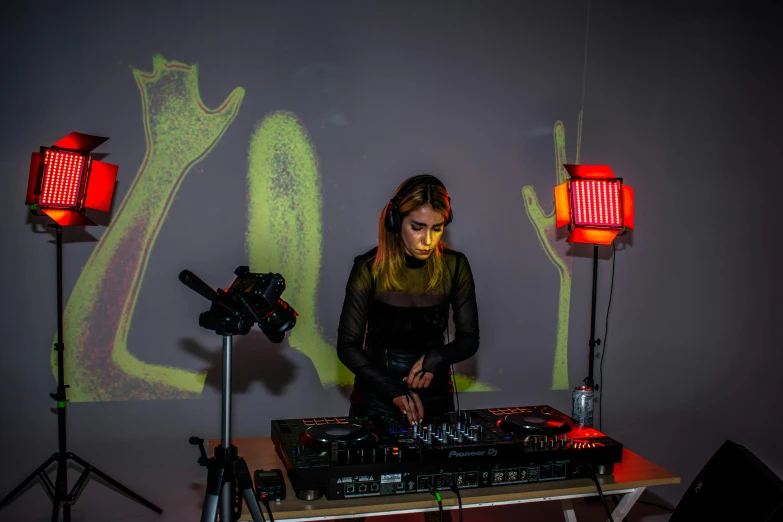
{"x": 445, "y": 427}
{"x": 459, "y": 426}
{"x": 429, "y": 428}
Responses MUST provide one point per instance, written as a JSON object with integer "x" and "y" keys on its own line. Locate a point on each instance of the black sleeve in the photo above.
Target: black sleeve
{"x": 465, "y": 314}
{"x": 350, "y": 334}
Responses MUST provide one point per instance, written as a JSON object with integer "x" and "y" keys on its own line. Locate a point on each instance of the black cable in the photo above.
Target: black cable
{"x": 455, "y": 489}
{"x": 454, "y": 383}
{"x": 437, "y": 496}
{"x": 603, "y": 352}
{"x": 453, "y": 374}
{"x": 265, "y": 502}
{"x": 600, "y": 492}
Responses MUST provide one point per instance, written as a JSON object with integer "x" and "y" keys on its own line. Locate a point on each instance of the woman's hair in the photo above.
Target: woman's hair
{"x": 387, "y": 269}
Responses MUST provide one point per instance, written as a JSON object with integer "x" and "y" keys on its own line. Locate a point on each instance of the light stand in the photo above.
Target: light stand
{"x": 252, "y": 298}
{"x": 596, "y": 206}
{"x": 58, "y": 491}
{"x": 589, "y": 380}
{"x": 58, "y": 186}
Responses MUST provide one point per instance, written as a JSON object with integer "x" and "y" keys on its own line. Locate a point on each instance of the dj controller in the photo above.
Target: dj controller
{"x": 349, "y": 457}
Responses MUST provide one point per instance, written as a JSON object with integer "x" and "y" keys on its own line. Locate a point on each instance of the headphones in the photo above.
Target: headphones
{"x": 393, "y": 220}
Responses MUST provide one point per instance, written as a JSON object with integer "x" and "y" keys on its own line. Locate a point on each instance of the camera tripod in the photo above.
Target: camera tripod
{"x": 58, "y": 491}
{"x": 227, "y": 472}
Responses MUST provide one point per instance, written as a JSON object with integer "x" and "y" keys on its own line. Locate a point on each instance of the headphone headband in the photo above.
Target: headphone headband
{"x": 408, "y": 185}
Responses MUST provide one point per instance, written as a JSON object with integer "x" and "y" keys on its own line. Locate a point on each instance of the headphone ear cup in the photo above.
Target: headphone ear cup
{"x": 392, "y": 221}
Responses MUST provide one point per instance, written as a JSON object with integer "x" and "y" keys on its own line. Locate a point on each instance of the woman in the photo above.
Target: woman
{"x": 396, "y": 309}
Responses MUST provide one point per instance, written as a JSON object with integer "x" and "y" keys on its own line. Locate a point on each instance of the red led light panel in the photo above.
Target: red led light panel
{"x": 597, "y": 203}
{"x": 61, "y": 184}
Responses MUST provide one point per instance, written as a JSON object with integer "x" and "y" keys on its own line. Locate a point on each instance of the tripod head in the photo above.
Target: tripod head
{"x": 251, "y": 298}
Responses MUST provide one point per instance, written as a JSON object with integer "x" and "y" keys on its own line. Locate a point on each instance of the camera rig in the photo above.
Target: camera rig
{"x": 251, "y": 298}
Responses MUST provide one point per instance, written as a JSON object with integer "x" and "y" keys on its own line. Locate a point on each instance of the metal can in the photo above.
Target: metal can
{"x": 582, "y": 406}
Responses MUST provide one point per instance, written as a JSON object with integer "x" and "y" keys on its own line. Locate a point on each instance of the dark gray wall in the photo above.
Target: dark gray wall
{"x": 682, "y": 102}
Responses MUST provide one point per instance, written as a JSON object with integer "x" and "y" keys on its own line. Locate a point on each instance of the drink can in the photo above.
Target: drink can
{"x": 582, "y": 406}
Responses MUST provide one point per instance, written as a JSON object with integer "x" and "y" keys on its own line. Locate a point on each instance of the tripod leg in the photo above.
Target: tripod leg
{"x": 227, "y": 496}
{"x": 212, "y": 496}
{"x": 138, "y": 498}
{"x": 246, "y": 486}
{"x": 18, "y": 489}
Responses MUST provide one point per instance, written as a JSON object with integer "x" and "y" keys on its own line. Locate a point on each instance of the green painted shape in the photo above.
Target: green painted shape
{"x": 544, "y": 225}
{"x": 467, "y": 384}
{"x": 284, "y": 230}
{"x": 180, "y": 132}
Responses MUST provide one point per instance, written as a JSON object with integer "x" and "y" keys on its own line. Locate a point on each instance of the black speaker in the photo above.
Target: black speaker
{"x": 734, "y": 485}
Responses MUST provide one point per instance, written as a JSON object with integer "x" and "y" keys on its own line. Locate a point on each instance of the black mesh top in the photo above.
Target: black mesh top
{"x": 413, "y": 321}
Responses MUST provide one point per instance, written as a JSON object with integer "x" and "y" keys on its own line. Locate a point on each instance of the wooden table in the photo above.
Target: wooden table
{"x": 630, "y": 478}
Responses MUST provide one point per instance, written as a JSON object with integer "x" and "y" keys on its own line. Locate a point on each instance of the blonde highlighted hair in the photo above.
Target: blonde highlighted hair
{"x": 389, "y": 263}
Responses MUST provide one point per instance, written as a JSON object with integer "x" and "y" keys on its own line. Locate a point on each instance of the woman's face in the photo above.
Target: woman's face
{"x": 421, "y": 232}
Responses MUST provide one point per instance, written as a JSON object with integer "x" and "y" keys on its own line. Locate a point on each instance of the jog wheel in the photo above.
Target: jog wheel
{"x": 347, "y": 435}
{"x": 535, "y": 423}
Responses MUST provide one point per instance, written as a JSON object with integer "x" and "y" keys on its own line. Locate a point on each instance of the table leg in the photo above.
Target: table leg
{"x": 568, "y": 509}
{"x": 626, "y": 503}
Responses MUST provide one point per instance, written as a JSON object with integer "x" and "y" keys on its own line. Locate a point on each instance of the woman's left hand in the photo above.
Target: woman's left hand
{"x": 416, "y": 377}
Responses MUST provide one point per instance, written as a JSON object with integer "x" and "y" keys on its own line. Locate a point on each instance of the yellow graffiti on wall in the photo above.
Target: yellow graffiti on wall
{"x": 284, "y": 229}
{"x": 544, "y": 224}
{"x": 180, "y": 131}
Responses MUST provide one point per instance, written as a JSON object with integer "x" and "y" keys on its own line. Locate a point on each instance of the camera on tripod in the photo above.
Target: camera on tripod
{"x": 251, "y": 298}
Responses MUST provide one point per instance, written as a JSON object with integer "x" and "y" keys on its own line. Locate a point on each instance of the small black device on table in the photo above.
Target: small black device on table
{"x": 271, "y": 483}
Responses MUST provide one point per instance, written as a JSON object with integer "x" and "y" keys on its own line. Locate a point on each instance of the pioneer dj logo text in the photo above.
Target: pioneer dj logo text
{"x": 489, "y": 453}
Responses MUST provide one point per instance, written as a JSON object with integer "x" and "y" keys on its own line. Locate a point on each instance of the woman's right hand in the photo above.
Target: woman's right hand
{"x": 411, "y": 406}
